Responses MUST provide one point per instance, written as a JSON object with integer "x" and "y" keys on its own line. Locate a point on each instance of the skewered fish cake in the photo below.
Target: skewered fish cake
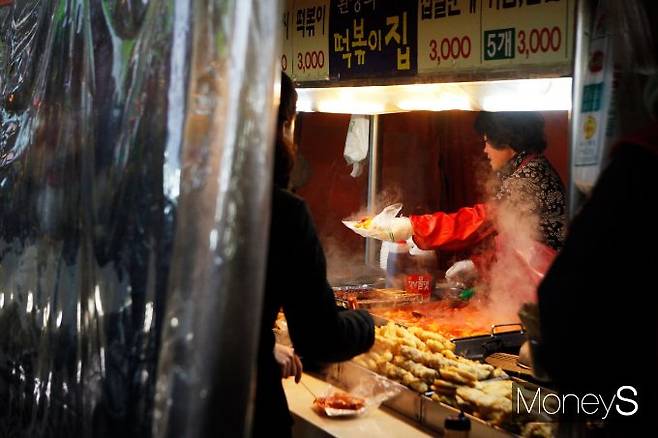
{"x": 418, "y": 370}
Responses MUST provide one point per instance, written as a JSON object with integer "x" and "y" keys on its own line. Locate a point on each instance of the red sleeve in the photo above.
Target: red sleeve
{"x": 451, "y": 231}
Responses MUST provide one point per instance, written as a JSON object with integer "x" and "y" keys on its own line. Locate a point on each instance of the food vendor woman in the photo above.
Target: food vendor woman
{"x": 526, "y": 184}
{"x": 296, "y": 281}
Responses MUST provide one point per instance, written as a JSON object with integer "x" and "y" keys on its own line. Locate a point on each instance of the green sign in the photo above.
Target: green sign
{"x": 499, "y": 44}
{"x": 592, "y": 96}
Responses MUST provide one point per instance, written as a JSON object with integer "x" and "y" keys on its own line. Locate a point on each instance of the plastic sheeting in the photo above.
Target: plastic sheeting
{"x": 134, "y": 196}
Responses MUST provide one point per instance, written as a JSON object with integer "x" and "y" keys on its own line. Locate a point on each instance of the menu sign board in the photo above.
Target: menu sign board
{"x": 311, "y": 40}
{"x": 286, "y": 49}
{"x": 448, "y": 35}
{"x": 349, "y": 39}
{"x": 372, "y": 38}
{"x": 518, "y": 32}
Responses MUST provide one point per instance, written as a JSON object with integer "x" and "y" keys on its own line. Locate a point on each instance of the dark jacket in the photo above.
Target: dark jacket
{"x": 296, "y": 280}
{"x": 533, "y": 187}
{"x": 597, "y": 302}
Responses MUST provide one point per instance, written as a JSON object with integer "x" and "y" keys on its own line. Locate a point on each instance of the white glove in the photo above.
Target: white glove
{"x": 386, "y": 226}
{"x": 462, "y": 272}
{"x": 400, "y": 229}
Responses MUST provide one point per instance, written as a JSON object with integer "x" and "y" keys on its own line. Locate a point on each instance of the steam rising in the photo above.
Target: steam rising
{"x": 386, "y": 197}
{"x": 511, "y": 280}
{"x": 346, "y": 266}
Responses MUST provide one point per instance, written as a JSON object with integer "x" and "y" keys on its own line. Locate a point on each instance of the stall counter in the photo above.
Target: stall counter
{"x": 378, "y": 422}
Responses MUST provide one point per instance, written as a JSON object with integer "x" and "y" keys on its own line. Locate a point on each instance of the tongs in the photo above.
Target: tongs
{"x": 308, "y": 389}
{"x": 460, "y": 296}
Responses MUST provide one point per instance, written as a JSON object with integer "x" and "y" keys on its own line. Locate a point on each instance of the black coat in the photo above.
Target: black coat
{"x": 296, "y": 280}
{"x": 599, "y": 318}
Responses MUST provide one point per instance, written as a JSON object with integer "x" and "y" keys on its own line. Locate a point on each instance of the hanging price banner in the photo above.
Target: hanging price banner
{"x": 286, "y": 47}
{"x": 310, "y": 45}
{"x": 516, "y": 32}
{"x": 362, "y": 39}
{"x": 448, "y": 35}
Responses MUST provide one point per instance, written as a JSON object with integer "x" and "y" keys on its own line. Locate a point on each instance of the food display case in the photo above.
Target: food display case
{"x": 437, "y": 382}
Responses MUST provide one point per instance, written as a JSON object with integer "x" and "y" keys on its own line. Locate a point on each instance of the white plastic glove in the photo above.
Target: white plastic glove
{"x": 400, "y": 229}
{"x": 386, "y": 226}
{"x": 463, "y": 271}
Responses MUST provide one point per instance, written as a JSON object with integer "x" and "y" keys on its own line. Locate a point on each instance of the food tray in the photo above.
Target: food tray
{"x": 365, "y": 297}
{"x": 478, "y": 347}
{"x": 417, "y": 407}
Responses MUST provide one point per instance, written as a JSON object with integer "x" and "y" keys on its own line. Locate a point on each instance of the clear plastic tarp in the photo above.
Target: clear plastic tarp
{"x": 135, "y": 162}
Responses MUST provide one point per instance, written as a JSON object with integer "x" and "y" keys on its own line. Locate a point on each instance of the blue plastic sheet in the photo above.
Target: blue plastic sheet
{"x": 135, "y": 160}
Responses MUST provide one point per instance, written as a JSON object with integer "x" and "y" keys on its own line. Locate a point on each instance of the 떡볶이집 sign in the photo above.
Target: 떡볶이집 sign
{"x": 356, "y": 39}
{"x": 372, "y": 38}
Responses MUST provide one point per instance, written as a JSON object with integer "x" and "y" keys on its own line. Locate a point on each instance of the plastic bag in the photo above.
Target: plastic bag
{"x": 356, "y": 143}
{"x": 372, "y": 391}
{"x": 375, "y": 227}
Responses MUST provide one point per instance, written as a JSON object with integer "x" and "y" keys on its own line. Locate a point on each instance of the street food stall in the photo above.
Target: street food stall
{"x": 388, "y": 92}
{"x": 135, "y": 183}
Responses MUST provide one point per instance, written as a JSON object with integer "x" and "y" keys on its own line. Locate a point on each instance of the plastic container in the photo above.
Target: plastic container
{"x": 398, "y": 264}
{"x": 421, "y": 272}
{"x": 457, "y": 426}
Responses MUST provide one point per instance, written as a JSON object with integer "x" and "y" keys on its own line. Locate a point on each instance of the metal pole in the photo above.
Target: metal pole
{"x": 581, "y": 40}
{"x": 374, "y": 185}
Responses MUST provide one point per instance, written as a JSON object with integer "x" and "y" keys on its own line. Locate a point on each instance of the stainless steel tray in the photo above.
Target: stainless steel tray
{"x": 417, "y": 407}
{"x": 365, "y": 297}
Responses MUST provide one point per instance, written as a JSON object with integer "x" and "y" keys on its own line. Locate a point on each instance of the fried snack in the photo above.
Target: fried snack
{"x": 469, "y": 369}
{"x": 498, "y": 372}
{"x": 400, "y": 335}
{"x": 373, "y": 360}
{"x": 539, "y": 430}
{"x": 488, "y": 406}
{"x": 364, "y": 223}
{"x": 436, "y": 346}
{"x": 450, "y": 355}
{"x": 444, "y": 387}
{"x": 479, "y": 399}
{"x": 384, "y": 343}
{"x": 403, "y": 376}
{"x": 443, "y": 398}
{"x": 498, "y": 388}
{"x": 422, "y": 372}
{"x": 431, "y": 360}
{"x": 437, "y": 340}
{"x": 459, "y": 376}
{"x": 365, "y": 361}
